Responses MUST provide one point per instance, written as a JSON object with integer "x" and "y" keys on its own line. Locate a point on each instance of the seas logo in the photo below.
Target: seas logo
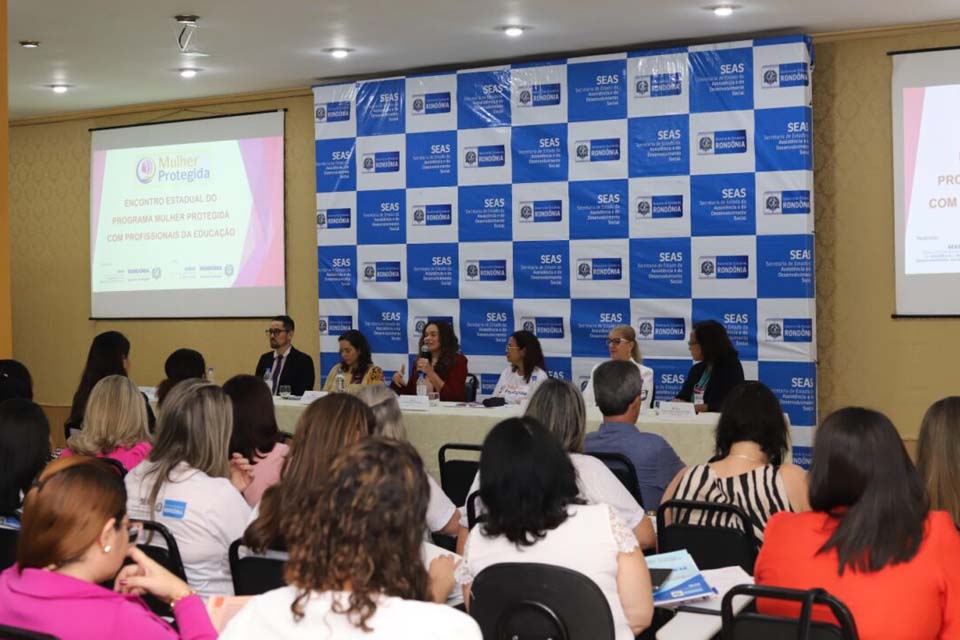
{"x": 430, "y": 215}
{"x": 335, "y": 325}
{"x": 544, "y": 327}
{"x": 598, "y": 150}
{"x": 599, "y": 269}
{"x": 146, "y": 170}
{"x": 430, "y": 103}
{"x": 386, "y": 271}
{"x": 724, "y": 267}
{"x": 156, "y": 273}
{"x": 228, "y": 270}
{"x": 658, "y": 85}
{"x": 788, "y": 330}
{"x": 421, "y": 322}
{"x": 539, "y": 95}
{"x": 338, "y": 218}
{"x": 786, "y": 202}
{"x": 332, "y": 111}
{"x": 661, "y": 328}
{"x": 491, "y": 155}
{"x": 381, "y": 162}
{"x": 791, "y": 74}
{"x": 659, "y": 207}
{"x": 485, "y": 270}
{"x": 710, "y": 143}
{"x": 541, "y": 211}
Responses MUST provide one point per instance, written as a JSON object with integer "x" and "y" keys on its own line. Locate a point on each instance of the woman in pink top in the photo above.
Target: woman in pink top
{"x": 75, "y": 534}
{"x": 255, "y": 433}
{"x": 114, "y": 424}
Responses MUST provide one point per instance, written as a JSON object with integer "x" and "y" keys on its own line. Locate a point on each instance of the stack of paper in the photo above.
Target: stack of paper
{"x": 685, "y": 582}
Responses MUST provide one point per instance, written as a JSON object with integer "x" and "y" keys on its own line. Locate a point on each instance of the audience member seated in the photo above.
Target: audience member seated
{"x": 752, "y": 439}
{"x": 109, "y": 355}
{"x": 618, "y": 387}
{"x": 547, "y": 523}
{"x": 114, "y": 424}
{"x": 526, "y": 371}
{"x": 75, "y": 535}
{"x": 445, "y": 369}
{"x": 182, "y": 364}
{"x": 15, "y": 380}
{"x": 938, "y": 453}
{"x": 288, "y": 367}
{"x": 622, "y": 345}
{"x": 442, "y": 514}
{"x": 324, "y": 428}
{"x": 190, "y": 485}
{"x": 870, "y": 540}
{"x": 255, "y": 434}
{"x": 558, "y": 405}
{"x": 24, "y": 451}
{"x": 717, "y": 369}
{"x": 356, "y": 364}
{"x": 355, "y": 568}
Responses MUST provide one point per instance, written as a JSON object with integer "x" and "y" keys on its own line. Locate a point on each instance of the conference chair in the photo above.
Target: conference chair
{"x": 8, "y": 547}
{"x": 749, "y": 625}
{"x": 472, "y": 516}
{"x": 470, "y": 388}
{"x": 456, "y": 476}
{"x": 164, "y": 552}
{"x": 16, "y": 633}
{"x": 711, "y": 544}
{"x": 254, "y": 574}
{"x": 623, "y": 469}
{"x": 117, "y": 465}
{"x": 530, "y": 600}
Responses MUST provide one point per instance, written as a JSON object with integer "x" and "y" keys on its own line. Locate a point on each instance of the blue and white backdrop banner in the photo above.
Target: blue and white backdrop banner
{"x": 655, "y": 188}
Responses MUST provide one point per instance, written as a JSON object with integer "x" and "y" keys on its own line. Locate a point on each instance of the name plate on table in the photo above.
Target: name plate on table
{"x": 310, "y": 396}
{"x": 676, "y": 410}
{"x": 414, "y": 403}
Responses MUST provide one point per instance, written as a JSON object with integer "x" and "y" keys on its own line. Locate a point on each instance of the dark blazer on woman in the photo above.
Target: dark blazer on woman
{"x": 454, "y": 381}
{"x": 727, "y": 373}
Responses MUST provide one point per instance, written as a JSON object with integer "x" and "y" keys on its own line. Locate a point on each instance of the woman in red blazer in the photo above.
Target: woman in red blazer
{"x": 445, "y": 369}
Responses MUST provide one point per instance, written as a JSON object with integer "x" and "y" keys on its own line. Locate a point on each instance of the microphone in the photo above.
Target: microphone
{"x": 424, "y": 353}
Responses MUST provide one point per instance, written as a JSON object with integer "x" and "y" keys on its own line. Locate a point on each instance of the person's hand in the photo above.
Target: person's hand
{"x": 424, "y": 366}
{"x": 701, "y": 408}
{"x": 146, "y": 576}
{"x": 442, "y": 581}
{"x": 241, "y": 472}
{"x": 398, "y": 376}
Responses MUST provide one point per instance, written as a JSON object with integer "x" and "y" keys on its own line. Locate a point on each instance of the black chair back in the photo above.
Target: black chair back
{"x": 756, "y": 626}
{"x": 456, "y": 476}
{"x": 254, "y": 574}
{"x": 16, "y": 633}
{"x": 167, "y": 556}
{"x": 621, "y": 467}
{"x": 472, "y": 516}
{"x": 116, "y": 464}
{"x": 471, "y": 387}
{"x": 529, "y": 600}
{"x": 712, "y": 546}
{"x": 8, "y": 547}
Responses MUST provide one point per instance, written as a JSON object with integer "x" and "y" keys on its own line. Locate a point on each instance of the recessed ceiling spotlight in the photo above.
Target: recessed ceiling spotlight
{"x": 514, "y": 30}
{"x": 195, "y": 54}
{"x": 188, "y": 73}
{"x": 339, "y": 52}
{"x": 723, "y": 10}
{"x": 59, "y": 88}
{"x": 186, "y": 19}
{"x": 30, "y": 44}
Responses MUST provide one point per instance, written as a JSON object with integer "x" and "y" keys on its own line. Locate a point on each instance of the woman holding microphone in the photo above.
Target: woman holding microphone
{"x": 440, "y": 362}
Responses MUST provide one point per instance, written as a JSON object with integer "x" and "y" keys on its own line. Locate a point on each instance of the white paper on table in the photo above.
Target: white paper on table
{"x": 310, "y": 396}
{"x": 150, "y": 392}
{"x": 676, "y": 410}
{"x": 414, "y": 403}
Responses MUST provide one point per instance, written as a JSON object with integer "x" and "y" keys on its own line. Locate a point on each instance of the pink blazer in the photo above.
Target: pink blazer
{"x": 72, "y": 609}
{"x": 129, "y": 457}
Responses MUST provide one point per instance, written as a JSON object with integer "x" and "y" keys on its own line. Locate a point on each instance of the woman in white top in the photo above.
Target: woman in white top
{"x": 622, "y": 343}
{"x": 190, "y": 484}
{"x": 442, "y": 514}
{"x": 354, "y": 568}
{"x": 558, "y": 406}
{"x": 547, "y": 523}
{"x": 526, "y": 371}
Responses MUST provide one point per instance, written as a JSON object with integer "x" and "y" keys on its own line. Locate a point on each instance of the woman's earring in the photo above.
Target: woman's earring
{"x": 107, "y": 549}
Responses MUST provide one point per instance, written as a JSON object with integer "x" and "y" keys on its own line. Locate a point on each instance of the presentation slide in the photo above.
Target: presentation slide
{"x": 925, "y": 98}
{"x": 186, "y": 219}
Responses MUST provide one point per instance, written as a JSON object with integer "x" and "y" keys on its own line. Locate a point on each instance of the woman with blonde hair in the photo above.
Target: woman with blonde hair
{"x": 622, "y": 345}
{"x": 114, "y": 425}
{"x": 192, "y": 486}
{"x": 937, "y": 453}
{"x": 442, "y": 514}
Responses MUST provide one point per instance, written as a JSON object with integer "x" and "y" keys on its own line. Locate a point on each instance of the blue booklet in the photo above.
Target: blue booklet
{"x": 685, "y": 581}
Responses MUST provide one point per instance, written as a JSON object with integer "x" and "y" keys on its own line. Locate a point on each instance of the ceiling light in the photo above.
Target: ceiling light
{"x": 59, "y": 88}
{"x": 723, "y": 10}
{"x": 187, "y": 19}
{"x": 30, "y": 44}
{"x": 514, "y": 30}
{"x": 188, "y": 73}
{"x": 339, "y": 52}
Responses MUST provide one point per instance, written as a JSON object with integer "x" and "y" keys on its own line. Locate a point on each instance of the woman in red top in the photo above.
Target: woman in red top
{"x": 445, "y": 369}
{"x": 870, "y": 540}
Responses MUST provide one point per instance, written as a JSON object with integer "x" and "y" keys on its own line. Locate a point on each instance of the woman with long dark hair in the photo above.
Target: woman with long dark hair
{"x": 938, "y": 450}
{"x": 527, "y": 368}
{"x": 182, "y": 364}
{"x": 717, "y": 369}
{"x": 356, "y": 364}
{"x": 439, "y": 361}
{"x": 870, "y": 539}
{"x": 24, "y": 451}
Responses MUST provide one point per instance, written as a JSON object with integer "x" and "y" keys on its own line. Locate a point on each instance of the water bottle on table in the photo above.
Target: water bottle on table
{"x": 339, "y": 383}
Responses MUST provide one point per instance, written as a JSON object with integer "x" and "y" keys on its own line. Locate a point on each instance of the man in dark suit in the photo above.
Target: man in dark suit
{"x": 287, "y": 366}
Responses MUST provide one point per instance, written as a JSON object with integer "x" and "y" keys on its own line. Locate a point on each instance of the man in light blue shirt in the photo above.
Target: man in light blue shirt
{"x": 617, "y": 386}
